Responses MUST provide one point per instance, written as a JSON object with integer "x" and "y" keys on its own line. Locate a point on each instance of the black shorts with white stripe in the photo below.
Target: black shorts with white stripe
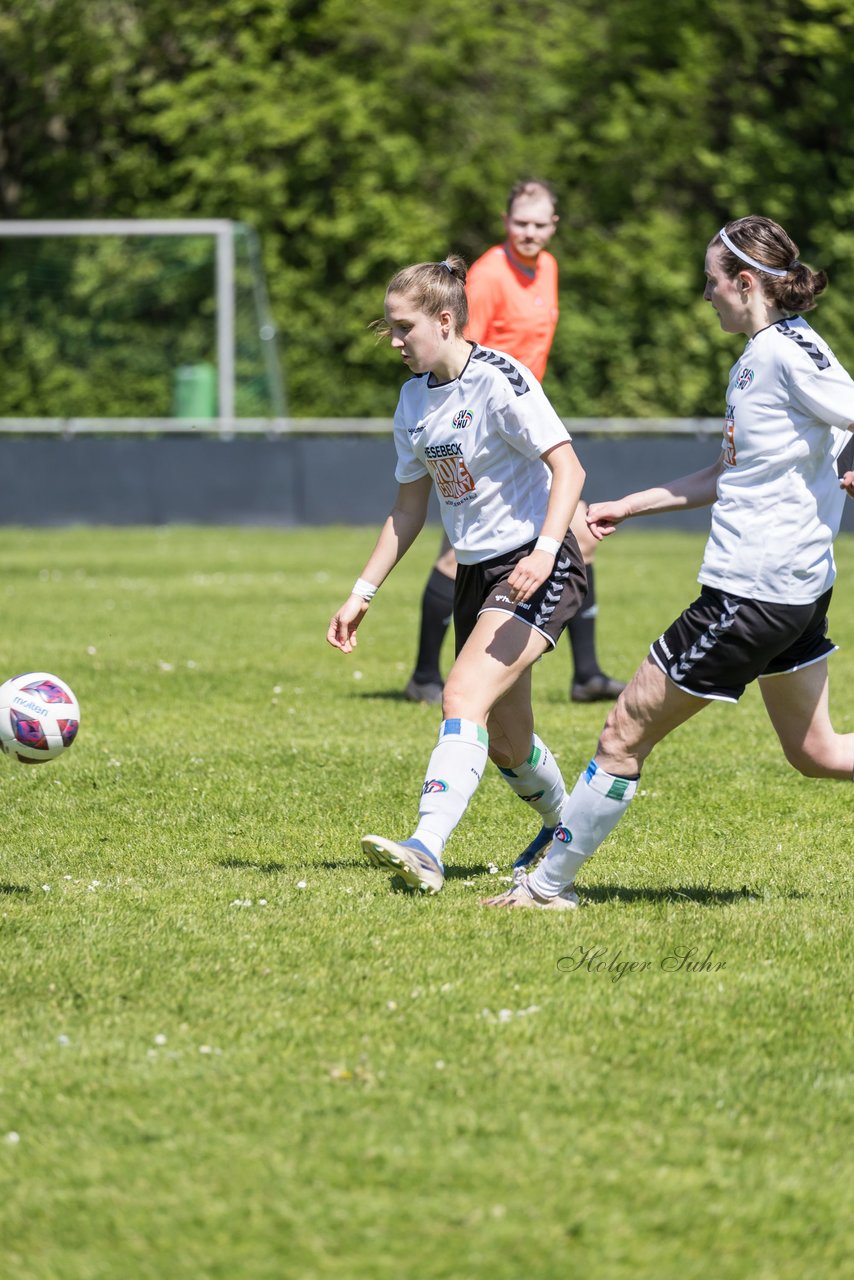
{"x": 483, "y": 587}
{"x": 723, "y": 642}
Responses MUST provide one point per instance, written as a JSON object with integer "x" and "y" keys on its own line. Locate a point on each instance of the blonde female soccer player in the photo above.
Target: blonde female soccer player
{"x": 478, "y": 427}
{"x": 512, "y": 296}
{"x": 777, "y": 491}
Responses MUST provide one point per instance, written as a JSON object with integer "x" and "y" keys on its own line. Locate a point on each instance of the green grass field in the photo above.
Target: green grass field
{"x": 230, "y": 1050}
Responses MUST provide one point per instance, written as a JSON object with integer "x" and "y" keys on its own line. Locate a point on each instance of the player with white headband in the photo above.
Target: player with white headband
{"x": 777, "y": 491}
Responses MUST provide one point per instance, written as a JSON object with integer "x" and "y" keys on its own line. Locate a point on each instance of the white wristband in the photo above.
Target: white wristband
{"x": 366, "y": 590}
{"x": 547, "y": 544}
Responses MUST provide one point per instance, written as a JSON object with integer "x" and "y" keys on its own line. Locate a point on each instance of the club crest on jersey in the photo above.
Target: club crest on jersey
{"x": 433, "y": 784}
{"x": 463, "y": 419}
{"x": 743, "y": 378}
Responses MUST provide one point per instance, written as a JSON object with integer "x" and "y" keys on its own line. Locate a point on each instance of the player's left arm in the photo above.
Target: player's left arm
{"x": 567, "y": 482}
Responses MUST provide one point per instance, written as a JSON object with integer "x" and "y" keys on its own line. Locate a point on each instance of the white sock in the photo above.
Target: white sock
{"x": 539, "y": 782}
{"x": 595, "y": 806}
{"x": 455, "y": 769}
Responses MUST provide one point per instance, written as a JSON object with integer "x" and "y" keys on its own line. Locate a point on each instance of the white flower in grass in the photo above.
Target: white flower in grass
{"x": 358, "y": 675}
{"x": 505, "y": 1015}
{"x": 63, "y": 1040}
{"x": 439, "y": 1064}
{"x": 46, "y": 888}
{"x": 12, "y": 1138}
{"x": 391, "y": 1004}
{"x": 205, "y": 1048}
{"x": 165, "y": 666}
{"x": 91, "y": 650}
{"x": 302, "y": 884}
{"x": 160, "y": 1038}
{"x": 492, "y": 869}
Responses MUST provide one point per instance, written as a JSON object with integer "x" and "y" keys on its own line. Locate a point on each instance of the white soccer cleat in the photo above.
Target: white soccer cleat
{"x": 522, "y": 895}
{"x": 411, "y": 860}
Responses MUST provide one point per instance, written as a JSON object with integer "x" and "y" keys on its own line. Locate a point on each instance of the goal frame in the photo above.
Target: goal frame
{"x": 221, "y": 229}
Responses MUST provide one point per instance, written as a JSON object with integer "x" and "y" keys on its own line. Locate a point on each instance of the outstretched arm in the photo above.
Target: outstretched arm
{"x": 405, "y": 521}
{"x": 696, "y": 490}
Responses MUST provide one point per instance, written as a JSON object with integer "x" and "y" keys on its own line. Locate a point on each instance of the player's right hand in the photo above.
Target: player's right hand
{"x": 341, "y": 632}
{"x": 603, "y": 517}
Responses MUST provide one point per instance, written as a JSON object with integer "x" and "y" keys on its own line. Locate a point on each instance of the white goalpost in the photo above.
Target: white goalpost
{"x": 223, "y": 232}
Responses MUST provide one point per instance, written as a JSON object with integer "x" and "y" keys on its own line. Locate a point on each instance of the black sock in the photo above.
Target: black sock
{"x": 582, "y": 634}
{"x": 437, "y": 608}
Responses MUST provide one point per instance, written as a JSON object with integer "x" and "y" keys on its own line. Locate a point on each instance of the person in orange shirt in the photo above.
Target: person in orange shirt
{"x": 513, "y": 307}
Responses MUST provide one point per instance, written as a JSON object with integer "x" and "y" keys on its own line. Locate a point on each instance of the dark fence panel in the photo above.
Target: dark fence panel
{"x": 293, "y": 480}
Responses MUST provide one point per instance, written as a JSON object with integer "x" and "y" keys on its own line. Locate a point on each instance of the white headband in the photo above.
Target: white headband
{"x": 751, "y": 262}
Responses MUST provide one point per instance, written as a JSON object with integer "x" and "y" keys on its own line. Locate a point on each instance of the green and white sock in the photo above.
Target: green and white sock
{"x": 539, "y": 782}
{"x": 455, "y": 769}
{"x": 595, "y": 806}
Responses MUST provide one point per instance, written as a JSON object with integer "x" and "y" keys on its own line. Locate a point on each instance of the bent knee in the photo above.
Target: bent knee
{"x": 810, "y": 761}
{"x": 458, "y": 702}
{"x": 622, "y": 743}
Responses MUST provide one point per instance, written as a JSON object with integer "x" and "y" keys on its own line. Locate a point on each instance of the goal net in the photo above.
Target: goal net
{"x": 164, "y": 320}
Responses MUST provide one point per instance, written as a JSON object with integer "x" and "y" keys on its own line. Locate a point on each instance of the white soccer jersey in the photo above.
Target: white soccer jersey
{"x": 481, "y": 438}
{"x": 779, "y": 503}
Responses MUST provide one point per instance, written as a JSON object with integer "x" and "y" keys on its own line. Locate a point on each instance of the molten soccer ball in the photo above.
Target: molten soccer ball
{"x": 39, "y": 717}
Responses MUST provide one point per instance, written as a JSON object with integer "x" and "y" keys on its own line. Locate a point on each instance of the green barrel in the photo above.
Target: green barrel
{"x": 194, "y": 391}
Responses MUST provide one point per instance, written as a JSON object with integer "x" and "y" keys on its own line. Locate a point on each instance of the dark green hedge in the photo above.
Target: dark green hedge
{"x": 357, "y": 138}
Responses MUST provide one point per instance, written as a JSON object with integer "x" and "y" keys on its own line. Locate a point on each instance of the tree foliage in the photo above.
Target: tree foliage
{"x": 357, "y": 140}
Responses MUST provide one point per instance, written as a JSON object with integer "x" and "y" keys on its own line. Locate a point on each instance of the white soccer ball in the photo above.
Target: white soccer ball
{"x": 39, "y": 717}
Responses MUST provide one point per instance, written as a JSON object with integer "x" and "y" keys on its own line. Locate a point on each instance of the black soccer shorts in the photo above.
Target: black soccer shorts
{"x": 483, "y": 587}
{"x": 723, "y": 642}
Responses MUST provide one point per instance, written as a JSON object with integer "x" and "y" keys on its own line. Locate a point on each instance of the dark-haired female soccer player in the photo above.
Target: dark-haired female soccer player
{"x": 777, "y": 491}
